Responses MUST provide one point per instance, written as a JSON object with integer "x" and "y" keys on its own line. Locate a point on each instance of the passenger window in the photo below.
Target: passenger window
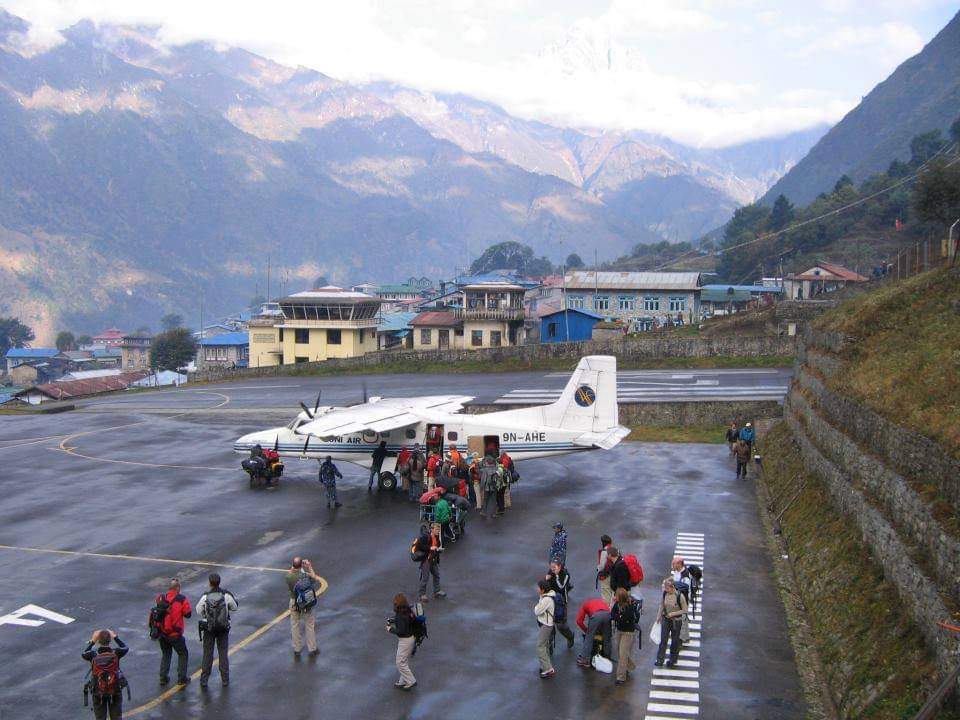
{"x": 452, "y": 436}
{"x": 411, "y": 433}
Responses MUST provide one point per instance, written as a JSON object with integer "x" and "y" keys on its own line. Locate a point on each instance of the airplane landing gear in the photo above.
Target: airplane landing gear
{"x": 387, "y": 481}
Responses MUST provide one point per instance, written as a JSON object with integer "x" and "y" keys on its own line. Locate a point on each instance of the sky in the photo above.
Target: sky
{"x": 708, "y": 73}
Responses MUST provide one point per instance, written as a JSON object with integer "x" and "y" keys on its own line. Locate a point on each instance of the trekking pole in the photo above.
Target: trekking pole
{"x": 776, "y": 521}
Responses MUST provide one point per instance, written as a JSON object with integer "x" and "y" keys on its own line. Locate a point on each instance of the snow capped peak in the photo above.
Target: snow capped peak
{"x": 588, "y": 48}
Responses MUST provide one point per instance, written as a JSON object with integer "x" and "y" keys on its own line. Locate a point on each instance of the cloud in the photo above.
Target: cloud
{"x": 615, "y": 68}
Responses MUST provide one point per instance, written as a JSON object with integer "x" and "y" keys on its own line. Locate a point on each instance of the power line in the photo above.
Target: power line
{"x": 833, "y": 212}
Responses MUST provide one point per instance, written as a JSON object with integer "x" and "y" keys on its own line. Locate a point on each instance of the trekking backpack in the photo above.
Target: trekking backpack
{"x": 305, "y": 596}
{"x": 106, "y": 679}
{"x": 696, "y": 575}
{"x": 158, "y": 614}
{"x": 419, "y": 623}
{"x": 218, "y": 615}
{"x": 635, "y": 568}
{"x": 559, "y": 608}
{"x": 416, "y": 554}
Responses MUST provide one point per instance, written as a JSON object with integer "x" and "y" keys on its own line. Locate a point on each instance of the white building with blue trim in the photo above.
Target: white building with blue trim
{"x": 639, "y": 299}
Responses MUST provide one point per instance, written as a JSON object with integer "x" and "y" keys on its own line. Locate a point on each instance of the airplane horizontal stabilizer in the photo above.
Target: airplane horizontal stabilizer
{"x": 605, "y": 440}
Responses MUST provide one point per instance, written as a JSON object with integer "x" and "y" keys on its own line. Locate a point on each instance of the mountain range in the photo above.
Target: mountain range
{"x": 137, "y": 177}
{"x": 922, "y": 94}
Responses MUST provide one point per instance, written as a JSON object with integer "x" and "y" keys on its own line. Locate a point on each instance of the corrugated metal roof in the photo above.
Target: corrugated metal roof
{"x": 396, "y": 321}
{"x": 570, "y": 310}
{"x": 230, "y": 338}
{"x": 435, "y": 319}
{"x": 746, "y": 288}
{"x": 606, "y": 280}
{"x": 722, "y": 296}
{"x": 93, "y": 386}
{"x": 32, "y": 352}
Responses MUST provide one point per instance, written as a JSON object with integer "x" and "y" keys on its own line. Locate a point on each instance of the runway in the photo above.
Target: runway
{"x": 102, "y": 507}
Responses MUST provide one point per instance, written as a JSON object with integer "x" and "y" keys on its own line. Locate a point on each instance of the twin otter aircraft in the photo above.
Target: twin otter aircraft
{"x": 584, "y": 418}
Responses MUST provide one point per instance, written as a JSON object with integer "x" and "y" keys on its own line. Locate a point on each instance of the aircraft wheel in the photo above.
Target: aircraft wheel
{"x": 388, "y": 481}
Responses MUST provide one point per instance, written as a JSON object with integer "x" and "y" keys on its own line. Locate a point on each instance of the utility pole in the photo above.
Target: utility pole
{"x": 200, "y": 355}
{"x": 566, "y": 316}
{"x": 268, "y": 278}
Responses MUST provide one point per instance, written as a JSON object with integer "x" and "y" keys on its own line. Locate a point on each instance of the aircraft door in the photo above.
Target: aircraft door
{"x": 491, "y": 445}
{"x": 434, "y": 439}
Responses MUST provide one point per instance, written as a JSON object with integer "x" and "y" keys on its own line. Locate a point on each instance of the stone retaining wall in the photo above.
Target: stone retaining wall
{"x": 909, "y": 512}
{"x": 917, "y": 592}
{"x": 673, "y": 414}
{"x": 909, "y": 453}
{"x": 627, "y": 351}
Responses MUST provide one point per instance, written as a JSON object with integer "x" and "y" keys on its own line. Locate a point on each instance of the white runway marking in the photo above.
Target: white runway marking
{"x": 670, "y": 694}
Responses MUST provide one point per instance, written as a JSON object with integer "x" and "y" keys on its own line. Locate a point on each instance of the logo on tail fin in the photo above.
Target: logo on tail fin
{"x": 585, "y": 396}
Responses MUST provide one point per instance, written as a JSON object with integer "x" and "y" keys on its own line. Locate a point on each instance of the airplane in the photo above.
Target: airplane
{"x": 585, "y": 417}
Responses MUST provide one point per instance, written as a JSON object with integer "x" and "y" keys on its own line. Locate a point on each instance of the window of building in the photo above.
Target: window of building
{"x": 575, "y": 302}
{"x": 626, "y": 302}
{"x": 458, "y": 331}
{"x": 301, "y": 359}
{"x": 601, "y": 302}
{"x": 476, "y": 338}
{"x": 452, "y": 436}
{"x": 651, "y": 302}
{"x": 361, "y": 336}
{"x": 496, "y": 338}
{"x": 334, "y": 337}
{"x": 301, "y": 336}
{"x": 551, "y": 330}
{"x": 678, "y": 304}
{"x": 425, "y": 336}
{"x": 281, "y": 337}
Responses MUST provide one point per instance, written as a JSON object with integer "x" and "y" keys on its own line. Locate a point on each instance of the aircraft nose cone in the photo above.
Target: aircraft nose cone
{"x": 245, "y": 443}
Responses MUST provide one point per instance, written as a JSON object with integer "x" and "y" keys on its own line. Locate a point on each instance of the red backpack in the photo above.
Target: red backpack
{"x": 105, "y": 674}
{"x": 635, "y": 568}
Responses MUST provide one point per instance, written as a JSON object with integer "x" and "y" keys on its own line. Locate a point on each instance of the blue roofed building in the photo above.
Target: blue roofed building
{"x": 567, "y": 325}
{"x": 19, "y": 356}
{"x": 230, "y": 349}
{"x": 394, "y": 331}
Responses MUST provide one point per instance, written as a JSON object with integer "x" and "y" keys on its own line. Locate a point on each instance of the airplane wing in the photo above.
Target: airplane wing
{"x": 605, "y": 439}
{"x": 380, "y": 415}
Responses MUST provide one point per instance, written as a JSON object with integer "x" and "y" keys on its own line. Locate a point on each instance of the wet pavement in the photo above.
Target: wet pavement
{"x": 157, "y": 495}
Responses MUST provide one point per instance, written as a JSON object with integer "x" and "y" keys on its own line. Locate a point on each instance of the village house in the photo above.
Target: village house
{"x": 135, "y": 352}
{"x": 229, "y": 349}
{"x": 19, "y": 356}
{"x": 639, "y": 300}
{"x": 817, "y": 280}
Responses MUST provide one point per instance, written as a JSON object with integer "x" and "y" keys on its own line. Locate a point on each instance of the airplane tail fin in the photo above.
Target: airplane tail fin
{"x": 589, "y": 400}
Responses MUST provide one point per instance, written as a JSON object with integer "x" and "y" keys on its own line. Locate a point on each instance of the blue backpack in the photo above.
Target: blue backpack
{"x": 305, "y": 595}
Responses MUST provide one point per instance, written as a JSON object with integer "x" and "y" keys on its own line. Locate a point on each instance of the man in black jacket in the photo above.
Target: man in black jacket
{"x": 99, "y": 645}
{"x": 619, "y": 572}
{"x": 378, "y": 456}
{"x": 560, "y": 583}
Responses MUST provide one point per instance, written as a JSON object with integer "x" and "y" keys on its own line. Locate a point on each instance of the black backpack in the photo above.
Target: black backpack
{"x": 157, "y": 615}
{"x": 418, "y": 622}
{"x": 218, "y": 615}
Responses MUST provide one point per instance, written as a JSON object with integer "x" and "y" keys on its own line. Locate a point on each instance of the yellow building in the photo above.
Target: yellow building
{"x": 317, "y": 325}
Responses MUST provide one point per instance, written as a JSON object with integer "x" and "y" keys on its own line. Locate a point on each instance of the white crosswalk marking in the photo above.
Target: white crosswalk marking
{"x": 670, "y": 694}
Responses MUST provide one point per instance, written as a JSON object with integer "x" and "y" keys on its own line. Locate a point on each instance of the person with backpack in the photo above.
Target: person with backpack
{"x": 302, "y": 583}
{"x": 328, "y": 478}
{"x": 593, "y": 618}
{"x": 426, "y": 550}
{"x": 733, "y": 434}
{"x": 603, "y": 569}
{"x": 170, "y": 611}
{"x": 442, "y": 514}
{"x": 619, "y": 573}
{"x": 403, "y": 468}
{"x": 741, "y": 449}
{"x": 406, "y": 626}
{"x": 747, "y": 435}
{"x": 433, "y": 468}
{"x": 625, "y": 616}
{"x": 474, "y": 484}
{"x": 558, "y": 546}
{"x": 491, "y": 481}
{"x": 560, "y": 583}
{"x": 545, "y": 610}
{"x": 106, "y": 681}
{"x": 672, "y": 610}
{"x": 510, "y": 476}
{"x": 214, "y": 608}
{"x": 418, "y": 464}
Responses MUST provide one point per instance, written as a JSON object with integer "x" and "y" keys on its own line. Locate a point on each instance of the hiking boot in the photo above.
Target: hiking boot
{"x": 658, "y": 663}
{"x": 671, "y": 663}
{"x": 439, "y": 594}
{"x": 338, "y": 504}
{"x": 549, "y": 673}
{"x": 398, "y": 684}
{"x": 226, "y": 682}
{"x": 184, "y": 681}
{"x": 313, "y": 653}
{"x": 618, "y": 681}
{"x": 408, "y": 688}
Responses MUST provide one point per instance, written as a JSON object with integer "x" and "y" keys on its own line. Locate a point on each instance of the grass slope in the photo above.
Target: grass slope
{"x": 875, "y": 662}
{"x": 905, "y": 363}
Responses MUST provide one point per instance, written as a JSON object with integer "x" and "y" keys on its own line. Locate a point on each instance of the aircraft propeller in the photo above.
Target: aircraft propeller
{"x": 276, "y": 444}
{"x": 316, "y": 407}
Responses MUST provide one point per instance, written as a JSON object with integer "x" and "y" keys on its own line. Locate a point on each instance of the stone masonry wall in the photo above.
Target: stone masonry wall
{"x": 632, "y": 350}
{"x": 916, "y": 591}
{"x": 909, "y": 512}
